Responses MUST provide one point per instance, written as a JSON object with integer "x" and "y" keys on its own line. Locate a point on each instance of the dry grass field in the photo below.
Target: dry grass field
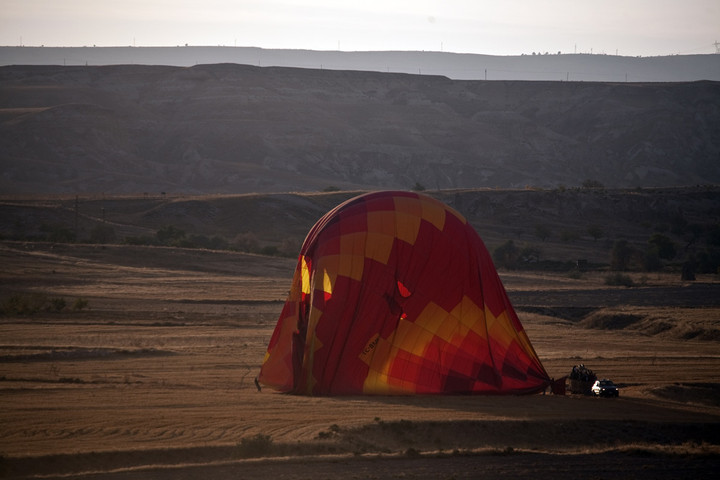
{"x": 152, "y": 377}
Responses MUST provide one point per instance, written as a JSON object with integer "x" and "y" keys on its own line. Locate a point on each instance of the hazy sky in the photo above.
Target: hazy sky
{"x": 497, "y": 27}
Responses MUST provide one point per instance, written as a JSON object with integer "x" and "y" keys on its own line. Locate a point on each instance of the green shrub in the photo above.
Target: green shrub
{"x": 32, "y": 303}
{"x": 506, "y": 255}
{"x": 270, "y": 250}
{"x": 79, "y": 304}
{"x": 331, "y": 432}
{"x": 543, "y": 232}
{"x": 170, "y": 236}
{"x": 595, "y": 231}
{"x": 58, "y": 304}
{"x": 412, "y": 453}
{"x": 24, "y": 304}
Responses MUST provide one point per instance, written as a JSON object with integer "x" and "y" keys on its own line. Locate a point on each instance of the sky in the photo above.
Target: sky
{"x": 493, "y": 27}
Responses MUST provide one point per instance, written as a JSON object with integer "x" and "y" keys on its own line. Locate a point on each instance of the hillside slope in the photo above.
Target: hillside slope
{"x": 234, "y": 129}
{"x": 558, "y": 225}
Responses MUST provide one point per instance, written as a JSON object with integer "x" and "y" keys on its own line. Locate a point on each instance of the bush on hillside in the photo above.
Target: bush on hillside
{"x": 619, "y": 280}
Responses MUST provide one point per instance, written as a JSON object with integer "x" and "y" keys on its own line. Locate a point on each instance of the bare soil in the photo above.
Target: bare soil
{"x": 154, "y": 379}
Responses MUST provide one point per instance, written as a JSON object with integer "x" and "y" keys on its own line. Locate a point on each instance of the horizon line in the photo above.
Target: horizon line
{"x": 532, "y": 54}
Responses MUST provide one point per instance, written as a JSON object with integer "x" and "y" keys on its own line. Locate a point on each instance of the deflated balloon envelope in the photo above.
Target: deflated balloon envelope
{"x": 395, "y": 293}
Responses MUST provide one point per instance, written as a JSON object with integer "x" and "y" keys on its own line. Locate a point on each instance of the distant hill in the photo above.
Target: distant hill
{"x": 457, "y": 66}
{"x": 228, "y": 128}
{"x": 554, "y": 225}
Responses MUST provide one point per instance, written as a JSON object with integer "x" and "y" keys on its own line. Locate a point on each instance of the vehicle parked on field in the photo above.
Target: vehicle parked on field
{"x": 605, "y": 388}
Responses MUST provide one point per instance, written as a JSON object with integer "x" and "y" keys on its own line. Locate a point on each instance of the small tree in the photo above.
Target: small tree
{"x": 619, "y": 280}
{"x": 79, "y": 304}
{"x": 270, "y": 250}
{"x": 170, "y": 235}
{"x": 529, "y": 255}
{"x": 542, "y": 232}
{"x": 57, "y": 304}
{"x": 506, "y": 255}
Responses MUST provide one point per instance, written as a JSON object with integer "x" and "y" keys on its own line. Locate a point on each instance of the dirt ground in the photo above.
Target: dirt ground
{"x": 153, "y": 378}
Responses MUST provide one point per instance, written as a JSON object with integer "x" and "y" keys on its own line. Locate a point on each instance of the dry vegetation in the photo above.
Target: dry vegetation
{"x": 154, "y": 377}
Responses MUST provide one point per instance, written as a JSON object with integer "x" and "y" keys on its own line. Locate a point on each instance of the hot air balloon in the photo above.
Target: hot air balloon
{"x": 395, "y": 294}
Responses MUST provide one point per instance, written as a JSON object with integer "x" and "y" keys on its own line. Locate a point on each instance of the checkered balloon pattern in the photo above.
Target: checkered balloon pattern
{"x": 395, "y": 294}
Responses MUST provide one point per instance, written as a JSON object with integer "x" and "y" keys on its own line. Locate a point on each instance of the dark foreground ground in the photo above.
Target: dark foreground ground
{"x": 508, "y": 465}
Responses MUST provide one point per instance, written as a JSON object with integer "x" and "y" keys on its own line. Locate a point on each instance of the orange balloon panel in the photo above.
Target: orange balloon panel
{"x": 395, "y": 293}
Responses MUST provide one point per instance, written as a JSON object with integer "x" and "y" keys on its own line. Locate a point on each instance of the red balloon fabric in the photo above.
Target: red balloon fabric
{"x": 395, "y": 293}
